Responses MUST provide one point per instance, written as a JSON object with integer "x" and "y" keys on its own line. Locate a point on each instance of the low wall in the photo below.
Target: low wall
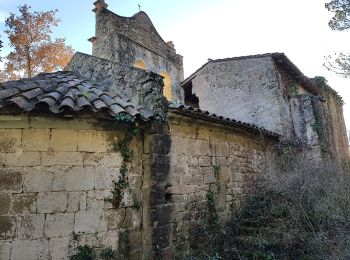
{"x": 206, "y": 157}
{"x": 57, "y": 177}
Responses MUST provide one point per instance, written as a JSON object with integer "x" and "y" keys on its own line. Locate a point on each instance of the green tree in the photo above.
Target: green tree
{"x": 34, "y": 51}
{"x": 340, "y": 62}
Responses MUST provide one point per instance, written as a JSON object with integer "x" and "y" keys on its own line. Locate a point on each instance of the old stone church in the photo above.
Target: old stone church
{"x": 110, "y": 151}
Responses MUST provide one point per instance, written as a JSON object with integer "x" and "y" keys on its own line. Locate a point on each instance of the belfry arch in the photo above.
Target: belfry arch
{"x": 167, "y": 85}
{"x": 140, "y": 64}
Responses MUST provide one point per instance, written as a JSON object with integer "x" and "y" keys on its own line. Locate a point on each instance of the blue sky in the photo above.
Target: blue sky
{"x": 203, "y": 29}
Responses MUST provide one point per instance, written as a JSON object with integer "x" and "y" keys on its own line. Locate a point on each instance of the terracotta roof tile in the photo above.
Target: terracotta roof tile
{"x": 64, "y": 92}
{"x": 182, "y": 109}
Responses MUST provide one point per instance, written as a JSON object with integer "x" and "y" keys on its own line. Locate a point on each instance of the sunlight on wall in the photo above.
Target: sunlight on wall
{"x": 167, "y": 85}
{"x": 140, "y": 64}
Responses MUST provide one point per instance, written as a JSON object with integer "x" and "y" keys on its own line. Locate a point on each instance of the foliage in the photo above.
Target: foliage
{"x": 34, "y": 51}
{"x": 301, "y": 213}
{"x": 341, "y": 19}
{"x": 340, "y": 62}
{"x": 125, "y": 251}
{"x": 88, "y": 253}
{"x": 84, "y": 253}
{"x": 321, "y": 82}
{"x": 123, "y": 146}
{"x": 217, "y": 169}
{"x": 108, "y": 254}
{"x": 123, "y": 117}
{"x": 319, "y": 127}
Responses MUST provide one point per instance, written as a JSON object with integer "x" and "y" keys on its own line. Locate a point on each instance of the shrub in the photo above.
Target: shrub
{"x": 302, "y": 212}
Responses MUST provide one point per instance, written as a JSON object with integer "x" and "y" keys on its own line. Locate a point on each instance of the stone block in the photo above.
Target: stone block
{"x": 30, "y": 250}
{"x": 15, "y": 121}
{"x": 10, "y": 180}
{"x": 176, "y": 145}
{"x": 90, "y": 221}
{"x": 213, "y": 187}
{"x": 62, "y": 158}
{"x": 5, "y": 203}
{"x": 186, "y": 179}
{"x": 203, "y": 133}
{"x": 206, "y": 171}
{"x": 221, "y": 149}
{"x": 35, "y": 139}
{"x": 31, "y": 226}
{"x": 193, "y": 161}
{"x": 24, "y": 203}
{"x": 62, "y": 123}
{"x": 217, "y": 136}
{"x": 37, "y": 179}
{"x": 2, "y": 159}
{"x": 220, "y": 160}
{"x": 224, "y": 174}
{"x": 115, "y": 218}
{"x": 237, "y": 177}
{"x": 23, "y": 159}
{"x": 108, "y": 239}
{"x": 103, "y": 159}
{"x": 197, "y": 179}
{"x": 209, "y": 178}
{"x": 79, "y": 179}
{"x": 92, "y": 141}
{"x": 5, "y": 251}
{"x": 204, "y": 161}
{"x": 178, "y": 130}
{"x": 96, "y": 199}
{"x": 202, "y": 148}
{"x": 59, "y": 225}
{"x": 52, "y": 202}
{"x": 104, "y": 177}
{"x": 7, "y": 227}
{"x": 76, "y": 201}
{"x": 221, "y": 197}
{"x": 112, "y": 137}
{"x": 10, "y": 140}
{"x": 59, "y": 248}
{"x": 64, "y": 140}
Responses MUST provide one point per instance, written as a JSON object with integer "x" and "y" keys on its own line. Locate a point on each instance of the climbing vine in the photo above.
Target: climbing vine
{"x": 217, "y": 169}
{"x": 294, "y": 88}
{"x": 123, "y": 147}
{"x": 318, "y": 127}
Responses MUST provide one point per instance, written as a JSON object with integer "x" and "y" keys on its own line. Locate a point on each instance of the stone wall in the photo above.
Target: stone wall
{"x": 334, "y": 126}
{"x": 243, "y": 89}
{"x": 210, "y": 157}
{"x": 55, "y": 176}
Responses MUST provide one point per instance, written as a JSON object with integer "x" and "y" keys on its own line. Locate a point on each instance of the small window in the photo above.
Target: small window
{"x": 190, "y": 98}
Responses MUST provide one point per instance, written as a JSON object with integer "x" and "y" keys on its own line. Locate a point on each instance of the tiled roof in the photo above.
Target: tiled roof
{"x": 64, "y": 92}
{"x": 205, "y": 115}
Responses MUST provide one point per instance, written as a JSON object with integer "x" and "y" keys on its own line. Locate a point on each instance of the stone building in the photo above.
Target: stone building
{"x": 270, "y": 91}
{"x": 96, "y": 155}
{"x": 135, "y": 41}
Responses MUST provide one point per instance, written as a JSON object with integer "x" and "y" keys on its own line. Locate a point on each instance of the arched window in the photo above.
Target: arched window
{"x": 167, "y": 85}
{"x": 140, "y": 64}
